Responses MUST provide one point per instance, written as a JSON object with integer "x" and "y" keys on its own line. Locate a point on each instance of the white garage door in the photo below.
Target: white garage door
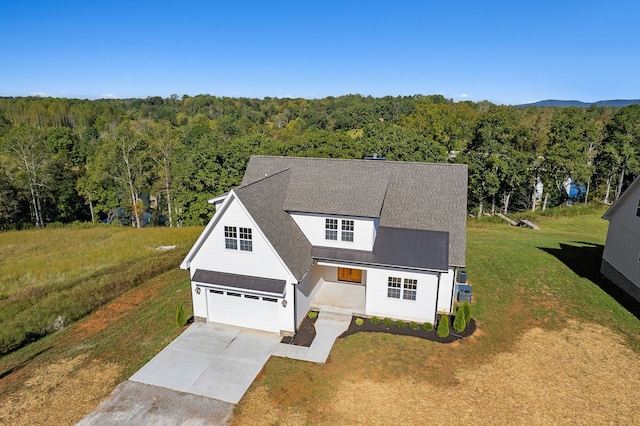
{"x": 244, "y": 310}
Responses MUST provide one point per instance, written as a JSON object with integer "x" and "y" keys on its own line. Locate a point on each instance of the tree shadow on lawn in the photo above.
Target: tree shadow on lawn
{"x": 585, "y": 259}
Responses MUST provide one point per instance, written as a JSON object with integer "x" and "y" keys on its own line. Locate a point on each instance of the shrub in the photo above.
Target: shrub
{"x": 427, "y": 326}
{"x": 387, "y": 322}
{"x": 359, "y": 321}
{"x": 181, "y": 317}
{"x": 400, "y": 323}
{"x": 375, "y": 320}
{"x": 466, "y": 308}
{"x": 312, "y": 315}
{"x": 460, "y": 323}
{"x": 443, "y": 326}
{"x": 413, "y": 325}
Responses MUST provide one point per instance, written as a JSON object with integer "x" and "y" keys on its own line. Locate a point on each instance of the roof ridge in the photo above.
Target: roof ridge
{"x": 361, "y": 160}
{"x": 264, "y": 178}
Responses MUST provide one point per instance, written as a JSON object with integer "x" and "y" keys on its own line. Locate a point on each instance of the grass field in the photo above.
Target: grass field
{"x": 556, "y": 344}
{"x": 67, "y": 273}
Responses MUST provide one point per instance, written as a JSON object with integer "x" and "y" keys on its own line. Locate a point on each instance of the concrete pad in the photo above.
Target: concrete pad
{"x": 212, "y": 360}
{"x": 349, "y": 297}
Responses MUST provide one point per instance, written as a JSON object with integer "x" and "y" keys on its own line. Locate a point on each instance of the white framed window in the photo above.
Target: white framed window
{"x": 331, "y": 229}
{"x": 410, "y": 289}
{"x": 347, "y": 230}
{"x": 230, "y": 237}
{"x": 246, "y": 241}
{"x": 394, "y": 286}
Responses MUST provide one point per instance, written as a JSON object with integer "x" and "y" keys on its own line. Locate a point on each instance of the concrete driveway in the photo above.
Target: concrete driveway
{"x": 212, "y": 360}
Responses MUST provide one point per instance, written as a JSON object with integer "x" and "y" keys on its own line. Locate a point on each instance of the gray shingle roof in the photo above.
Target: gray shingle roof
{"x": 264, "y": 199}
{"x": 423, "y": 196}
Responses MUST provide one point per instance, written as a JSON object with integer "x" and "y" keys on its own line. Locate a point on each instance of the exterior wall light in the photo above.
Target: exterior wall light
{"x": 197, "y": 290}
{"x": 284, "y": 302}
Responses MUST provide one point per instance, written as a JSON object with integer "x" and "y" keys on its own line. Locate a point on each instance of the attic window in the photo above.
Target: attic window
{"x": 347, "y": 230}
{"x": 246, "y": 243}
{"x": 331, "y": 229}
{"x": 230, "y": 237}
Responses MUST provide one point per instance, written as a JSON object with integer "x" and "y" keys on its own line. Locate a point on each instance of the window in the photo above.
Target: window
{"x": 229, "y": 293}
{"x": 250, "y": 296}
{"x": 269, "y": 299}
{"x": 246, "y": 244}
{"x": 638, "y": 210}
{"x": 217, "y": 291}
{"x": 230, "y": 237}
{"x": 410, "y": 289}
{"x": 331, "y": 229}
{"x": 347, "y": 230}
{"x": 396, "y": 289}
{"x": 393, "y": 287}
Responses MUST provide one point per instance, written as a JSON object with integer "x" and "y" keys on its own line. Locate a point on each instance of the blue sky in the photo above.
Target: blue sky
{"x": 507, "y": 52}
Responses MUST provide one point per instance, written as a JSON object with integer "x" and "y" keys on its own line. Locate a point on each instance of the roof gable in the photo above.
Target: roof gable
{"x": 634, "y": 188}
{"x": 264, "y": 200}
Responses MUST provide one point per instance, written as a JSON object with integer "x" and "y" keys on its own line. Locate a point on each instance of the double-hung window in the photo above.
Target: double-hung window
{"x": 393, "y": 287}
{"x": 231, "y": 237}
{"x": 410, "y": 289}
{"x": 347, "y": 230}
{"x": 246, "y": 242}
{"x": 331, "y": 229}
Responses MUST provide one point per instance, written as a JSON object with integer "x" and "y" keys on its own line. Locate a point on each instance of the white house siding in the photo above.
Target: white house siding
{"x": 262, "y": 261}
{"x": 313, "y": 227}
{"x": 622, "y": 250}
{"x": 423, "y": 309}
{"x": 309, "y": 287}
{"x": 447, "y": 281}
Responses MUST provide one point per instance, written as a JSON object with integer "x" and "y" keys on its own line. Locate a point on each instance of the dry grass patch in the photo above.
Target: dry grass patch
{"x": 577, "y": 375}
{"x": 60, "y": 393}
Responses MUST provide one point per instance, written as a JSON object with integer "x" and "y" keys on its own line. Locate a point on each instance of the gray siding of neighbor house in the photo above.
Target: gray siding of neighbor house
{"x": 621, "y": 256}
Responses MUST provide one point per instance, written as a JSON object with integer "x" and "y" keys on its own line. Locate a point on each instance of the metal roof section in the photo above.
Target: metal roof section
{"x": 396, "y": 247}
{"x": 240, "y": 282}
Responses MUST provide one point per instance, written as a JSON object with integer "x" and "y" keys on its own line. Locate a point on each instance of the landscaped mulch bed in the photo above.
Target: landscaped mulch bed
{"x": 305, "y": 335}
{"x": 369, "y": 327}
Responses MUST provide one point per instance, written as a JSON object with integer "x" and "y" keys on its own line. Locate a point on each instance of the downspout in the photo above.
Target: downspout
{"x": 295, "y": 308}
{"x": 453, "y": 288}
{"x": 435, "y": 317}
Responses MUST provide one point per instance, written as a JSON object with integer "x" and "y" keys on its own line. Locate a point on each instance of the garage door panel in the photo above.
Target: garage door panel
{"x": 244, "y": 310}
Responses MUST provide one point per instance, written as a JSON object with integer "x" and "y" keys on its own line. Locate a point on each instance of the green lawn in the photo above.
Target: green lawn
{"x": 67, "y": 273}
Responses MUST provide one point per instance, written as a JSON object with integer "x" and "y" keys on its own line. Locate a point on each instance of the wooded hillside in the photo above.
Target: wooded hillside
{"x": 157, "y": 161}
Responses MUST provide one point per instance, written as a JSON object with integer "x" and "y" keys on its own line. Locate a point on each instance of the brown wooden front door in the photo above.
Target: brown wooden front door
{"x": 351, "y": 275}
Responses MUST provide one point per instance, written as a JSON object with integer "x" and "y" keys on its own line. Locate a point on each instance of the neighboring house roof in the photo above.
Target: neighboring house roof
{"x": 422, "y": 196}
{"x": 626, "y": 194}
{"x": 264, "y": 200}
{"x": 409, "y": 248}
{"x": 263, "y": 285}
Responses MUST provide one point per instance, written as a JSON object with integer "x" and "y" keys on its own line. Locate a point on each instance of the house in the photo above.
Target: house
{"x": 394, "y": 232}
{"x": 621, "y": 256}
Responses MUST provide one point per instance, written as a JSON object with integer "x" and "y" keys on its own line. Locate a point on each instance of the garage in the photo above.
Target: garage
{"x": 241, "y": 300}
{"x": 244, "y": 309}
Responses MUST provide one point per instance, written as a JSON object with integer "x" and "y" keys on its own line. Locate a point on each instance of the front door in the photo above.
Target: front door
{"x": 351, "y": 275}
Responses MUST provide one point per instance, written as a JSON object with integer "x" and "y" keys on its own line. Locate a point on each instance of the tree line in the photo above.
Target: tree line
{"x": 158, "y": 160}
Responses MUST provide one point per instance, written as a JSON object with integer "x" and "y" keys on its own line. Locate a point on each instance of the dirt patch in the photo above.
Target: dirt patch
{"x": 578, "y": 375}
{"x": 305, "y": 335}
{"x": 61, "y": 393}
{"x": 110, "y": 313}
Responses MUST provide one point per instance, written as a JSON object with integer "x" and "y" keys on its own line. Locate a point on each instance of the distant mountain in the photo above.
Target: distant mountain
{"x": 561, "y": 104}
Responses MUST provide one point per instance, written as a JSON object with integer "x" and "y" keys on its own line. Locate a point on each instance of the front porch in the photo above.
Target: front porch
{"x": 340, "y": 297}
